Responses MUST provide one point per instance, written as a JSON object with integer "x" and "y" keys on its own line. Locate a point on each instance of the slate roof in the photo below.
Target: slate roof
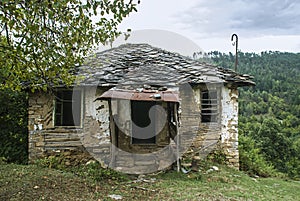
{"x": 142, "y": 64}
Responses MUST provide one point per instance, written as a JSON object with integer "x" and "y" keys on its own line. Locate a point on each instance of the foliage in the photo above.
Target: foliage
{"x": 13, "y": 126}
{"x": 217, "y": 156}
{"x": 269, "y": 117}
{"x": 55, "y": 162}
{"x": 251, "y": 159}
{"x": 42, "y": 41}
{"x": 294, "y": 163}
{"x": 3, "y": 161}
{"x": 97, "y": 173}
{"x": 90, "y": 170}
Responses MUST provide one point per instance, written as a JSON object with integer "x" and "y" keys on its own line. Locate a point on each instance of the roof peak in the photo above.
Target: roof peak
{"x": 142, "y": 63}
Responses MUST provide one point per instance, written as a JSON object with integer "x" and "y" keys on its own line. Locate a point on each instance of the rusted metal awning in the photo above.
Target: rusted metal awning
{"x": 144, "y": 95}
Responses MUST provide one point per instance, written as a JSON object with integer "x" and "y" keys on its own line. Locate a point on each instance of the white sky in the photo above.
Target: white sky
{"x": 209, "y": 24}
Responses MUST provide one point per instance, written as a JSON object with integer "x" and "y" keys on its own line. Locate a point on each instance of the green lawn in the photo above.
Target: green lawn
{"x": 30, "y": 182}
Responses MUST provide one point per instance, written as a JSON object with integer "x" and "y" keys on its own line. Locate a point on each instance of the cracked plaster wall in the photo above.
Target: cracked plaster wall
{"x": 95, "y": 134}
{"x": 229, "y": 122}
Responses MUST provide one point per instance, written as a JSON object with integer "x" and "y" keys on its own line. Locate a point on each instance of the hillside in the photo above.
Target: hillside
{"x": 270, "y": 111}
{"x": 19, "y": 182}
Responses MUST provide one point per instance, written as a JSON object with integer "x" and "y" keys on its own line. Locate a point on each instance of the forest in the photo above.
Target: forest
{"x": 269, "y": 120}
{"x": 269, "y": 113}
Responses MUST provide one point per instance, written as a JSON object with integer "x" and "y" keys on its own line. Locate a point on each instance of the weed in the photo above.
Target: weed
{"x": 92, "y": 171}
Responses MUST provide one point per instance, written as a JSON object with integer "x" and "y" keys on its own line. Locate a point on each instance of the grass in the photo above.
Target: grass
{"x": 228, "y": 184}
{"x": 31, "y": 182}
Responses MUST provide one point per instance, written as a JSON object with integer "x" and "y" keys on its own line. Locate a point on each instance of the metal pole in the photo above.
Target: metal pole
{"x": 236, "y": 49}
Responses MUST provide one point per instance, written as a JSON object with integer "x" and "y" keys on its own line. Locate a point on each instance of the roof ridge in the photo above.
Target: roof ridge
{"x": 111, "y": 66}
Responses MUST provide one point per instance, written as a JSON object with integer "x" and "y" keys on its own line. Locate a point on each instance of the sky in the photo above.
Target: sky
{"x": 207, "y": 25}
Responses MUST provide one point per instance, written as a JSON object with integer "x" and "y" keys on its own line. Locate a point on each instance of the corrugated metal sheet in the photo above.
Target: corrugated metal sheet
{"x": 166, "y": 96}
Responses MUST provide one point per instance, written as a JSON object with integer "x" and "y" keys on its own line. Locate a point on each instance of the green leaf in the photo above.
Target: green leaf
{"x": 46, "y": 34}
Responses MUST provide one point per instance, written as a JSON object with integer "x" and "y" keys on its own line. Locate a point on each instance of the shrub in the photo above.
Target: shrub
{"x": 13, "y": 126}
{"x": 251, "y": 160}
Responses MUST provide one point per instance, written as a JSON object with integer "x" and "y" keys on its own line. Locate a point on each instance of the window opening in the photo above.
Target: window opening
{"x": 209, "y": 106}
{"x": 67, "y": 108}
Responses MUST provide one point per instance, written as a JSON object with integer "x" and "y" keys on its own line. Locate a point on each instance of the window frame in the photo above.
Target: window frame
{"x": 80, "y": 125}
{"x": 212, "y": 104}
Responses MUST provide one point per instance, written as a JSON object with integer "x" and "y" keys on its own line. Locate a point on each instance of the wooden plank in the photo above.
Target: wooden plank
{"x": 177, "y": 137}
{"x": 113, "y": 136}
{"x": 63, "y": 144}
{"x": 61, "y": 139}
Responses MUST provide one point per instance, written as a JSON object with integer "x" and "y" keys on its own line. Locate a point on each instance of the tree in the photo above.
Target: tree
{"x": 269, "y": 113}
{"x": 41, "y": 41}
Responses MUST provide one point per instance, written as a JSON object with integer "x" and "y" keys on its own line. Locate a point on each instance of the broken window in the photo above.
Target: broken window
{"x": 143, "y": 129}
{"x": 67, "y": 108}
{"x": 209, "y": 106}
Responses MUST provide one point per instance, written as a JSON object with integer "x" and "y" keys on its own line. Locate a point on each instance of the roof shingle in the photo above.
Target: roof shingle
{"x": 139, "y": 64}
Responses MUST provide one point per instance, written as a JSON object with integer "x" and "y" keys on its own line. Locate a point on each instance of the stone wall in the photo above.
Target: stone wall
{"x": 92, "y": 136}
{"x": 96, "y": 132}
{"x": 206, "y": 135}
{"x": 216, "y": 136}
{"x": 196, "y": 139}
{"x": 229, "y": 123}
{"x": 40, "y": 107}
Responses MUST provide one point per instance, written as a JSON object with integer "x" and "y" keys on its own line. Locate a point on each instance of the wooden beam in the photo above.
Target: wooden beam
{"x": 113, "y": 139}
{"x": 177, "y": 137}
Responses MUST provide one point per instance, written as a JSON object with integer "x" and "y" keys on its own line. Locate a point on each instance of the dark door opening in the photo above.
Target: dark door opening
{"x": 143, "y": 129}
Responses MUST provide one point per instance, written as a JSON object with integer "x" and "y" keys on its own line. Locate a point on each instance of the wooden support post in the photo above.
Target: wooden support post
{"x": 177, "y": 137}
{"x": 113, "y": 139}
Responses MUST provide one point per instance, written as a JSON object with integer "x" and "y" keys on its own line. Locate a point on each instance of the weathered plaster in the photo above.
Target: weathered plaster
{"x": 229, "y": 122}
{"x": 44, "y": 138}
{"x": 96, "y": 121}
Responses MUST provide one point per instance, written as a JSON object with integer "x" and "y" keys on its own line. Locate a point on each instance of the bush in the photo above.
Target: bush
{"x": 13, "y": 126}
{"x": 294, "y": 163}
{"x": 3, "y": 161}
{"x": 251, "y": 160}
{"x": 55, "y": 162}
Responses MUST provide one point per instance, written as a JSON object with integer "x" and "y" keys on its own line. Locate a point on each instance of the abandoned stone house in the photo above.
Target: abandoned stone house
{"x": 139, "y": 109}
